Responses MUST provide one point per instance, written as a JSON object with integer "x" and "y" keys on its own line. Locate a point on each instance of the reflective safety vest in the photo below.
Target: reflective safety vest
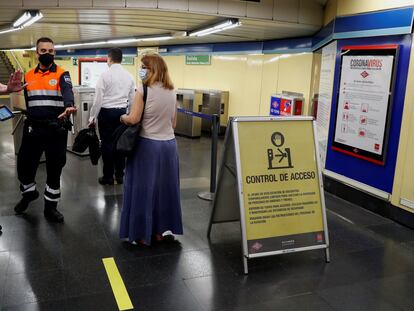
{"x": 43, "y": 88}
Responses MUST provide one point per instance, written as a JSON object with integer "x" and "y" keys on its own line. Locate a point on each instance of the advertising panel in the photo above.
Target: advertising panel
{"x": 275, "y": 105}
{"x": 286, "y": 106}
{"x": 298, "y": 107}
{"x": 90, "y": 70}
{"x": 326, "y": 83}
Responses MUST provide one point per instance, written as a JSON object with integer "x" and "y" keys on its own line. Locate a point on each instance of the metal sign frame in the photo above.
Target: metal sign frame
{"x": 246, "y": 254}
{"x": 369, "y": 50}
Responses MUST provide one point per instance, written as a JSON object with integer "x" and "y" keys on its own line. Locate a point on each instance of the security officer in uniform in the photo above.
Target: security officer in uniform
{"x": 49, "y": 101}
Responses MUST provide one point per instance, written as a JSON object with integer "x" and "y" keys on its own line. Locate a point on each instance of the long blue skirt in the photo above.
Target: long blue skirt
{"x": 151, "y": 202}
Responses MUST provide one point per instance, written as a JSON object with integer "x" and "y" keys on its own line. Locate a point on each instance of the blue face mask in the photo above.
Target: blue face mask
{"x": 143, "y": 74}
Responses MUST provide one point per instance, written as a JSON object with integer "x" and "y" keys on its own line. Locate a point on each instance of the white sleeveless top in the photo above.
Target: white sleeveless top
{"x": 159, "y": 112}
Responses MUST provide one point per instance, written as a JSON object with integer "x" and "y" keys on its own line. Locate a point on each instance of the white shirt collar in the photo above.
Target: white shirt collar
{"x": 115, "y": 65}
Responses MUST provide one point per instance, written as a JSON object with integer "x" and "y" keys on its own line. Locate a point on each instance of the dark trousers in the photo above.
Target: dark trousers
{"x": 108, "y": 122}
{"x": 51, "y": 140}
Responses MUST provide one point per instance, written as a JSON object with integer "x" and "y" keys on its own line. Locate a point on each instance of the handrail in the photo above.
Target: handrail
{"x": 17, "y": 62}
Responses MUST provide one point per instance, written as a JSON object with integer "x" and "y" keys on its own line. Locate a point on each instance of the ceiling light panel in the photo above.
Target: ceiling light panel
{"x": 33, "y": 20}
{"x": 229, "y": 24}
{"x": 22, "y": 19}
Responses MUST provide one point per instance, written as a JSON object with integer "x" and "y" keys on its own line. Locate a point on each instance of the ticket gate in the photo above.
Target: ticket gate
{"x": 215, "y": 102}
{"x": 18, "y": 103}
{"x": 187, "y": 125}
{"x": 208, "y": 102}
{"x": 83, "y": 97}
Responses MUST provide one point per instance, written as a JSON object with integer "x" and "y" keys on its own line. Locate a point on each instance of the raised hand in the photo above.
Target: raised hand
{"x": 15, "y": 82}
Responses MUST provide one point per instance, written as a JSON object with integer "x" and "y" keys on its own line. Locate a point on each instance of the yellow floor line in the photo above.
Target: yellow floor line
{"x": 117, "y": 284}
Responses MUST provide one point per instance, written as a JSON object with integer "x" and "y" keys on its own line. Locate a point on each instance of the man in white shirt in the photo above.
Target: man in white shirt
{"x": 114, "y": 90}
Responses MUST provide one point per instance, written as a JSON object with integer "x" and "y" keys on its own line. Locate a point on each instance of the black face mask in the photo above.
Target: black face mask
{"x": 46, "y": 59}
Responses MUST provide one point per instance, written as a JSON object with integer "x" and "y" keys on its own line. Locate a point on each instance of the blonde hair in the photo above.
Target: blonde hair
{"x": 157, "y": 71}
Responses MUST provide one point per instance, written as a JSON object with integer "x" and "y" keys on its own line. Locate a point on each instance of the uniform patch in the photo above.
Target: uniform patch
{"x": 67, "y": 79}
{"x": 53, "y": 82}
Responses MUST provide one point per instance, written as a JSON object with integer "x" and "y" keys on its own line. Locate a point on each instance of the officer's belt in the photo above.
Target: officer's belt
{"x": 65, "y": 123}
{"x": 33, "y": 121}
{"x": 47, "y": 123}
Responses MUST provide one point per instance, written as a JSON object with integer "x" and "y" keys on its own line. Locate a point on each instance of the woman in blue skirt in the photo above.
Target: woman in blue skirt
{"x": 151, "y": 203}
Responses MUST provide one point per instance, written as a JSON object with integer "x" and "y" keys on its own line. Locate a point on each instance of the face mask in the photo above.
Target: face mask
{"x": 46, "y": 59}
{"x": 143, "y": 74}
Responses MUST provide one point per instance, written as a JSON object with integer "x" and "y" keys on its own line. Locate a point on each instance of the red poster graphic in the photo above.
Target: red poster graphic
{"x": 286, "y": 107}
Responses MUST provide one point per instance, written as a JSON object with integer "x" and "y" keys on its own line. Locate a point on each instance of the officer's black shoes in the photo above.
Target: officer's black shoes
{"x": 24, "y": 202}
{"x": 106, "y": 181}
{"x": 51, "y": 213}
{"x": 54, "y": 215}
{"x": 119, "y": 180}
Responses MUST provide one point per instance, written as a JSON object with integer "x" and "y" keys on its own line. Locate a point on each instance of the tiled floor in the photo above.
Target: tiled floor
{"x": 46, "y": 266}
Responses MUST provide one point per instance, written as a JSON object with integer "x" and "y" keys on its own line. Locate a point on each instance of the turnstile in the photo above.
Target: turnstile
{"x": 83, "y": 97}
{"x": 187, "y": 125}
{"x": 17, "y": 103}
{"x": 215, "y": 102}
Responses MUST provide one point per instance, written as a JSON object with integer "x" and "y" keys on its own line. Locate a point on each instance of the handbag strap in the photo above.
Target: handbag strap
{"x": 145, "y": 87}
{"x": 144, "y": 97}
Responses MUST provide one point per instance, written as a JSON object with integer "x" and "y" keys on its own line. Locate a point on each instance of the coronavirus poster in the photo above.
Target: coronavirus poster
{"x": 363, "y": 105}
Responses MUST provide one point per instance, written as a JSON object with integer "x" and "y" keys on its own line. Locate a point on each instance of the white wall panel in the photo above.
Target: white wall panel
{"x": 204, "y": 6}
{"x": 179, "y": 5}
{"x": 39, "y": 3}
{"x": 263, "y": 10}
{"x": 286, "y": 10}
{"x": 142, "y": 4}
{"x": 232, "y": 8}
{"x": 310, "y": 13}
{"x": 109, "y": 3}
{"x": 269, "y": 81}
{"x": 75, "y": 3}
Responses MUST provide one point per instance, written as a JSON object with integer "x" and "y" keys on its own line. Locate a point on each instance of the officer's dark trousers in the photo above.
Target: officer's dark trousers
{"x": 51, "y": 140}
{"x": 108, "y": 122}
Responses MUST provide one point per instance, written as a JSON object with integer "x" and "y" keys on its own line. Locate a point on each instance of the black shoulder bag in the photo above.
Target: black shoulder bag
{"x": 125, "y": 137}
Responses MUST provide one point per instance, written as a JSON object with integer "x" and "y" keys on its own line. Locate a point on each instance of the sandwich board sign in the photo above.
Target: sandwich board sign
{"x": 270, "y": 180}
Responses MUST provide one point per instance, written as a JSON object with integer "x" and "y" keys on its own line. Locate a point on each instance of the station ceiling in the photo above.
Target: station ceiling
{"x": 83, "y": 25}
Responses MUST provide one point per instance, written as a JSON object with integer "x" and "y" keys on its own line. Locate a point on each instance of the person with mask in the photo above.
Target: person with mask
{"x": 49, "y": 102}
{"x": 151, "y": 204}
{"x": 114, "y": 90}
